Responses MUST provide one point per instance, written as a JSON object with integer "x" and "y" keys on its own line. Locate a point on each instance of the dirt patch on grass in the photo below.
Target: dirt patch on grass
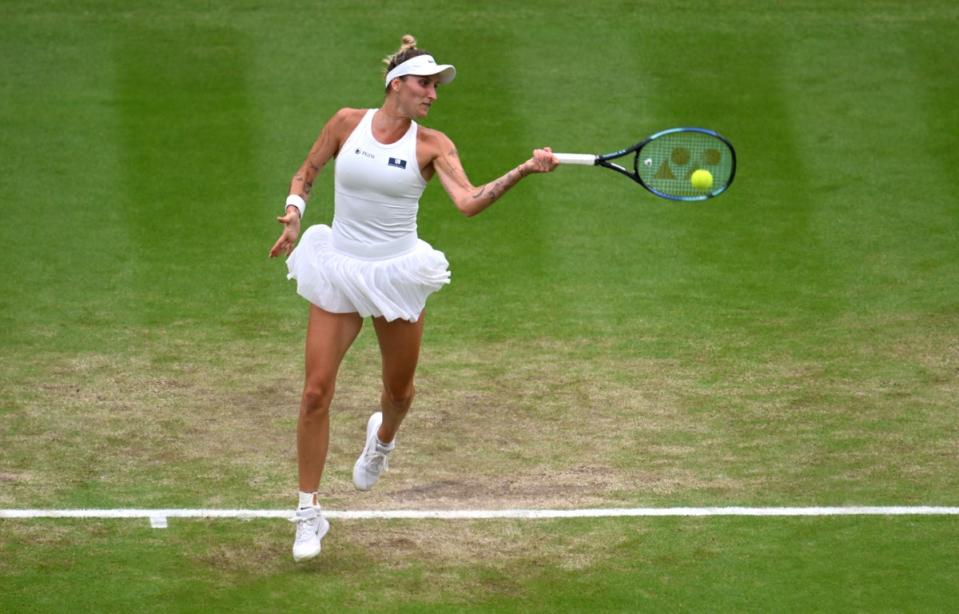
{"x": 495, "y": 425}
{"x": 438, "y": 559}
{"x": 496, "y": 544}
{"x": 533, "y": 425}
{"x": 131, "y": 423}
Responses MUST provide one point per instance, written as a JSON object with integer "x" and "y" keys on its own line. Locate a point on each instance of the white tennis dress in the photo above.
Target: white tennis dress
{"x": 371, "y": 261}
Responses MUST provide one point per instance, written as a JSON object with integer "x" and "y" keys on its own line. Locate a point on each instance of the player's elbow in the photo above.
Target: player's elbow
{"x": 464, "y": 198}
{"x": 466, "y": 209}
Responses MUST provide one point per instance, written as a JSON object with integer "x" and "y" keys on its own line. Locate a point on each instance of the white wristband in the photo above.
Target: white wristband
{"x": 297, "y": 201}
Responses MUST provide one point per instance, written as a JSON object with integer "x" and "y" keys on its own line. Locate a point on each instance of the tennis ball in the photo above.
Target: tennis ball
{"x": 702, "y": 179}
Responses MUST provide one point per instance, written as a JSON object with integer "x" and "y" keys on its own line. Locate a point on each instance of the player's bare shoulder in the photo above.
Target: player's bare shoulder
{"x": 335, "y": 132}
{"x": 433, "y": 142}
{"x": 433, "y": 148}
{"x": 346, "y": 120}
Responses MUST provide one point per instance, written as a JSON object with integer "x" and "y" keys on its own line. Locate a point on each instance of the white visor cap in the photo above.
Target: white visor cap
{"x": 422, "y": 66}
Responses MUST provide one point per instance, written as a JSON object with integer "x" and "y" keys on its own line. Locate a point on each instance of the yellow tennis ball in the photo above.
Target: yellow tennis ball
{"x": 702, "y": 179}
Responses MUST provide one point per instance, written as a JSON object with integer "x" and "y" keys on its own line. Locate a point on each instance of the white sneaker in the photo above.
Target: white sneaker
{"x": 375, "y": 457}
{"x": 311, "y": 526}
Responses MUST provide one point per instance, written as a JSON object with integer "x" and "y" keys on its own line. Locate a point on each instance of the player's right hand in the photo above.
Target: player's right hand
{"x": 291, "y": 230}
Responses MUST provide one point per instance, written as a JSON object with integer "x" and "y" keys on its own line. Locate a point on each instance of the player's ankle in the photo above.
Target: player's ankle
{"x": 308, "y": 499}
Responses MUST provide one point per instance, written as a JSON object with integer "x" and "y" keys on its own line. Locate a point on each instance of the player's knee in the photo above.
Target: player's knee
{"x": 317, "y": 397}
{"x": 400, "y": 396}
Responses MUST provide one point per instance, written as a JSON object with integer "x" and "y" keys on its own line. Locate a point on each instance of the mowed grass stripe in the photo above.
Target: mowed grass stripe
{"x": 59, "y": 217}
{"x": 188, "y": 174}
{"x": 870, "y": 154}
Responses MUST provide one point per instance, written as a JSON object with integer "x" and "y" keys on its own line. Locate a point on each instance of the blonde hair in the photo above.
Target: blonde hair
{"x": 406, "y": 51}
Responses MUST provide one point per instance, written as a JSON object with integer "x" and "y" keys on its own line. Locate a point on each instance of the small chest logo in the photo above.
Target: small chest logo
{"x": 365, "y": 154}
{"x": 397, "y": 163}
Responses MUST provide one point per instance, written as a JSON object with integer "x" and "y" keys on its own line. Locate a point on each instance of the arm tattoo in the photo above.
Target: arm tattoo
{"x": 307, "y": 185}
{"x": 496, "y": 190}
{"x": 498, "y": 187}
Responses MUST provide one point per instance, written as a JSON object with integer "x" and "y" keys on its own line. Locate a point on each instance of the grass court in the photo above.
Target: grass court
{"x": 794, "y": 342}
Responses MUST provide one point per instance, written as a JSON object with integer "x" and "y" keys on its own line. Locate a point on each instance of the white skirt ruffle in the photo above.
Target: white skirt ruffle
{"x": 390, "y": 280}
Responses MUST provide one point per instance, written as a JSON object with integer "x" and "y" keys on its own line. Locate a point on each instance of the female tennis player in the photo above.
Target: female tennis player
{"x": 371, "y": 262}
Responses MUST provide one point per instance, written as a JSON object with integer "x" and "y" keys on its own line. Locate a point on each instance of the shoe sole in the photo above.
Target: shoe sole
{"x": 371, "y": 428}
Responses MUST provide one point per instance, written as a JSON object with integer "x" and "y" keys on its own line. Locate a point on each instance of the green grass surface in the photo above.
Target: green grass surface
{"x": 794, "y": 342}
{"x": 845, "y": 564}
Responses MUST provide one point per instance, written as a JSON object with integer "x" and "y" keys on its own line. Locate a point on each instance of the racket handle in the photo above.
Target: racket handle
{"x": 568, "y": 158}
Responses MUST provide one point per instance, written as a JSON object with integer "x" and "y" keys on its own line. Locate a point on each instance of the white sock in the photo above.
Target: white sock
{"x": 385, "y": 446}
{"x": 308, "y": 499}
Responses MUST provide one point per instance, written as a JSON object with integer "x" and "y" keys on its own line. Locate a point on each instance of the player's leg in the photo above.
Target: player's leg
{"x": 328, "y": 337}
{"x": 400, "y": 349}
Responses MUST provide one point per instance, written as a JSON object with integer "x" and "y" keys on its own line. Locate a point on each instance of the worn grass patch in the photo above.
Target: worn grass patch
{"x": 532, "y": 424}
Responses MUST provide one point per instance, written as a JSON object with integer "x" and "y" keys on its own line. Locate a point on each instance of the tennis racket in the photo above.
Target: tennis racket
{"x": 684, "y": 164}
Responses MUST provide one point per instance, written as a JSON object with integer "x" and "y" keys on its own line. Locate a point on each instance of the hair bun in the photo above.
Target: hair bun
{"x": 406, "y": 51}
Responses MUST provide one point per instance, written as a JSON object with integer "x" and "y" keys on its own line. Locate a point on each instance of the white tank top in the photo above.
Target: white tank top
{"x": 377, "y": 187}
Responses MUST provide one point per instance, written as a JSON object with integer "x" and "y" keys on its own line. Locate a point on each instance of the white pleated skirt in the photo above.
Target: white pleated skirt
{"x": 390, "y": 280}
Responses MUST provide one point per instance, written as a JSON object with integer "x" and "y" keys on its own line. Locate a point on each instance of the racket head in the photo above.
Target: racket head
{"x": 665, "y": 163}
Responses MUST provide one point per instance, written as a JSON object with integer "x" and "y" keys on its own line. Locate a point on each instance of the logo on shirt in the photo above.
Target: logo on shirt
{"x": 365, "y": 154}
{"x": 397, "y": 163}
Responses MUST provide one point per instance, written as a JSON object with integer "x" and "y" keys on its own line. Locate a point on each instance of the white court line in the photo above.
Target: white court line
{"x": 157, "y": 516}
